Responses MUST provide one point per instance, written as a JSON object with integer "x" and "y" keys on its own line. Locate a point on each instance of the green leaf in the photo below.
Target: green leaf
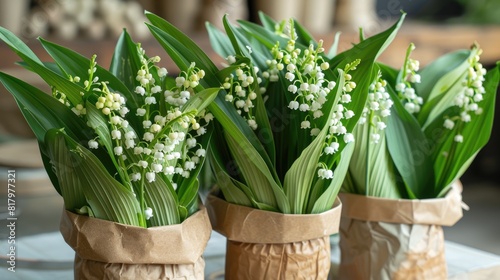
{"x": 107, "y": 198}
{"x": 17, "y": 44}
{"x": 410, "y": 150}
{"x": 125, "y": 61}
{"x": 62, "y": 165}
{"x": 219, "y": 41}
{"x": 268, "y": 22}
{"x": 438, "y": 99}
{"x": 42, "y": 113}
{"x": 334, "y": 48}
{"x": 373, "y": 172}
{"x": 262, "y": 185}
{"x": 432, "y": 73}
{"x": 77, "y": 65}
{"x": 162, "y": 30}
{"x": 52, "y": 78}
{"x": 226, "y": 184}
{"x": 201, "y": 100}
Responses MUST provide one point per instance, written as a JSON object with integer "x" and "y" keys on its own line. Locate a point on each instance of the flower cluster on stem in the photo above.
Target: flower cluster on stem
{"x": 377, "y": 109}
{"x": 406, "y": 92}
{"x": 469, "y": 97}
{"x": 166, "y": 143}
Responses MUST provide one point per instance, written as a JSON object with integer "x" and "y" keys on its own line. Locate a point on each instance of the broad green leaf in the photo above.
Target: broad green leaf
{"x": 260, "y": 184}
{"x": 334, "y": 47}
{"x": 42, "y": 113}
{"x": 373, "y": 172}
{"x": 264, "y": 36}
{"x": 52, "y": 78}
{"x": 219, "y": 41}
{"x": 186, "y": 44}
{"x": 107, "y": 198}
{"x": 438, "y": 99}
{"x": 410, "y": 150}
{"x": 432, "y": 73}
{"x": 268, "y": 22}
{"x": 159, "y": 195}
{"x": 125, "y": 61}
{"x": 201, "y": 100}
{"x": 17, "y": 44}
{"x": 77, "y": 65}
{"x": 63, "y": 166}
{"x": 299, "y": 179}
{"x": 231, "y": 192}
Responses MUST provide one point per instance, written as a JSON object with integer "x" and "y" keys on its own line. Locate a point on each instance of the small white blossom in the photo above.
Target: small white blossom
{"x": 116, "y": 134}
{"x": 162, "y": 72}
{"x": 315, "y": 131}
{"x": 93, "y": 144}
{"x": 140, "y": 112}
{"x": 458, "y": 138}
{"x": 138, "y": 150}
{"x": 304, "y": 107}
{"x": 140, "y": 90}
{"x": 129, "y": 143}
{"x": 381, "y": 125}
{"x": 150, "y": 100}
{"x": 148, "y": 136}
{"x": 294, "y": 105}
{"x": 156, "y": 167}
{"x": 200, "y": 152}
{"x": 449, "y": 124}
{"x": 135, "y": 177}
{"x": 169, "y": 170}
{"x": 118, "y": 150}
{"x": 375, "y": 137}
{"x": 348, "y": 137}
{"x": 150, "y": 176}
{"x": 325, "y": 173}
{"x": 148, "y": 212}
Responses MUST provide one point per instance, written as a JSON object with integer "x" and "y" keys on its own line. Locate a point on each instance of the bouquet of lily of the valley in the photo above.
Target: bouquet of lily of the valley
{"x": 124, "y": 144}
{"x": 285, "y": 112}
{"x": 421, "y": 129}
{"x": 418, "y": 133}
{"x": 284, "y": 121}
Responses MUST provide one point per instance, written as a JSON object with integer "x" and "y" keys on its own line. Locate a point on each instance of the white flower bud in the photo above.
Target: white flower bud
{"x": 118, "y": 150}
{"x": 93, "y": 144}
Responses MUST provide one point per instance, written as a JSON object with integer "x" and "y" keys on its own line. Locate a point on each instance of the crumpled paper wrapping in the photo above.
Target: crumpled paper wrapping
{"x": 109, "y": 250}
{"x": 269, "y": 245}
{"x": 396, "y": 239}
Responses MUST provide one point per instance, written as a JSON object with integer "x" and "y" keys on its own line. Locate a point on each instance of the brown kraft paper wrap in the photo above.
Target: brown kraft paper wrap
{"x": 396, "y": 238}
{"x": 109, "y": 250}
{"x": 269, "y": 245}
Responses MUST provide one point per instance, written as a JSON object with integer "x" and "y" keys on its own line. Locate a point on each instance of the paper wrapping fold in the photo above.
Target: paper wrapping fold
{"x": 109, "y": 250}
{"x": 245, "y": 224}
{"x": 387, "y": 239}
{"x": 438, "y": 211}
{"x": 269, "y": 245}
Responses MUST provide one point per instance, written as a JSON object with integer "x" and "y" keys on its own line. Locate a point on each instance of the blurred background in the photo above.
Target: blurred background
{"x": 93, "y": 26}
